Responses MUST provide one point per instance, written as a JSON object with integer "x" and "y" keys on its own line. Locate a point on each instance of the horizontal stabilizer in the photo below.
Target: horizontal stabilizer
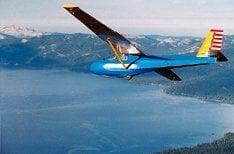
{"x": 220, "y": 57}
{"x": 169, "y": 74}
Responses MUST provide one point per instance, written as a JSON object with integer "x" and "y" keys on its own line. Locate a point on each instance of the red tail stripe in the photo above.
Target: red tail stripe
{"x": 216, "y": 30}
{"x": 218, "y": 38}
{"x": 218, "y": 34}
{"x": 218, "y": 47}
{"x": 217, "y": 42}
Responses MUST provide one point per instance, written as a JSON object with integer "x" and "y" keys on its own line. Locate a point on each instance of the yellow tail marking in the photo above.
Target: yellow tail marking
{"x": 205, "y": 47}
{"x": 118, "y": 56}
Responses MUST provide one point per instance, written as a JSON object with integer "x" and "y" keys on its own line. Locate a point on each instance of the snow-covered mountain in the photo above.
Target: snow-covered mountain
{"x": 18, "y": 31}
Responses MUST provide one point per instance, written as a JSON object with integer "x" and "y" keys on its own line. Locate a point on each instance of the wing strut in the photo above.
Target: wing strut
{"x": 117, "y": 55}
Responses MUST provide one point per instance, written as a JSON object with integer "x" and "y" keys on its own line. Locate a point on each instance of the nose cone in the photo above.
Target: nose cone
{"x": 97, "y": 68}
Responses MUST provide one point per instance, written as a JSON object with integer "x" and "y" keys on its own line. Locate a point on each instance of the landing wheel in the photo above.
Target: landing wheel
{"x": 129, "y": 77}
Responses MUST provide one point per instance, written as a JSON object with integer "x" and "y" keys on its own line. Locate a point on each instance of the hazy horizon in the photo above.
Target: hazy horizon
{"x": 134, "y": 17}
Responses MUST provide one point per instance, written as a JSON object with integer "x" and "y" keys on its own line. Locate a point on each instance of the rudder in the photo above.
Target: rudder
{"x": 212, "y": 45}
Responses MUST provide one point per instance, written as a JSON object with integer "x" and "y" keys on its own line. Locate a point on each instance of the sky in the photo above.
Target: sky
{"x": 164, "y": 17}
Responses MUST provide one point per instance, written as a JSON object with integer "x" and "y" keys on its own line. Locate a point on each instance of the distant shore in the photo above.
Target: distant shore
{"x": 223, "y": 145}
{"x": 207, "y": 99}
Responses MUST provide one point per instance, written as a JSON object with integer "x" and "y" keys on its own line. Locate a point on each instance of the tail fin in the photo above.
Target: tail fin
{"x": 212, "y": 45}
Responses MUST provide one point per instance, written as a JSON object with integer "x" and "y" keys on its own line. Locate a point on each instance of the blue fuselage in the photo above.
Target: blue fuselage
{"x": 138, "y": 65}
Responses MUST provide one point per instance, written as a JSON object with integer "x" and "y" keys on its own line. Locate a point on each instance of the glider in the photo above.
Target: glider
{"x": 130, "y": 61}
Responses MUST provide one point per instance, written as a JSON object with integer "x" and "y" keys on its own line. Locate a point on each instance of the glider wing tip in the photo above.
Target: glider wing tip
{"x": 69, "y": 5}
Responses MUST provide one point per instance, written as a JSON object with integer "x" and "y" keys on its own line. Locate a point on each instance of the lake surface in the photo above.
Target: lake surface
{"x": 58, "y": 111}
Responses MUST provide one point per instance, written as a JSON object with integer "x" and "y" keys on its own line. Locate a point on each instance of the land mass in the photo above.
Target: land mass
{"x": 77, "y": 51}
{"x": 223, "y": 145}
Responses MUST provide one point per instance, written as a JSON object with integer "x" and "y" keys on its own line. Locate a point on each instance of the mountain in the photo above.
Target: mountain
{"x": 18, "y": 31}
{"x": 72, "y": 50}
{"x": 77, "y": 51}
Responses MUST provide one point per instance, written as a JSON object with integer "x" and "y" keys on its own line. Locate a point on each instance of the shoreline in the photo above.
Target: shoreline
{"x": 216, "y": 101}
{"x": 222, "y": 145}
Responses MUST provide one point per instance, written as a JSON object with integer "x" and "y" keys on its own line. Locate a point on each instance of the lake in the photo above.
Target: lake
{"x": 59, "y": 111}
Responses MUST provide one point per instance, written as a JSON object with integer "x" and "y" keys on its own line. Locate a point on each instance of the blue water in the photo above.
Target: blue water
{"x": 58, "y": 111}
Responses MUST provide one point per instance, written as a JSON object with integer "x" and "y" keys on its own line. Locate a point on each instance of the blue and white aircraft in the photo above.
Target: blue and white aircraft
{"x": 130, "y": 61}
